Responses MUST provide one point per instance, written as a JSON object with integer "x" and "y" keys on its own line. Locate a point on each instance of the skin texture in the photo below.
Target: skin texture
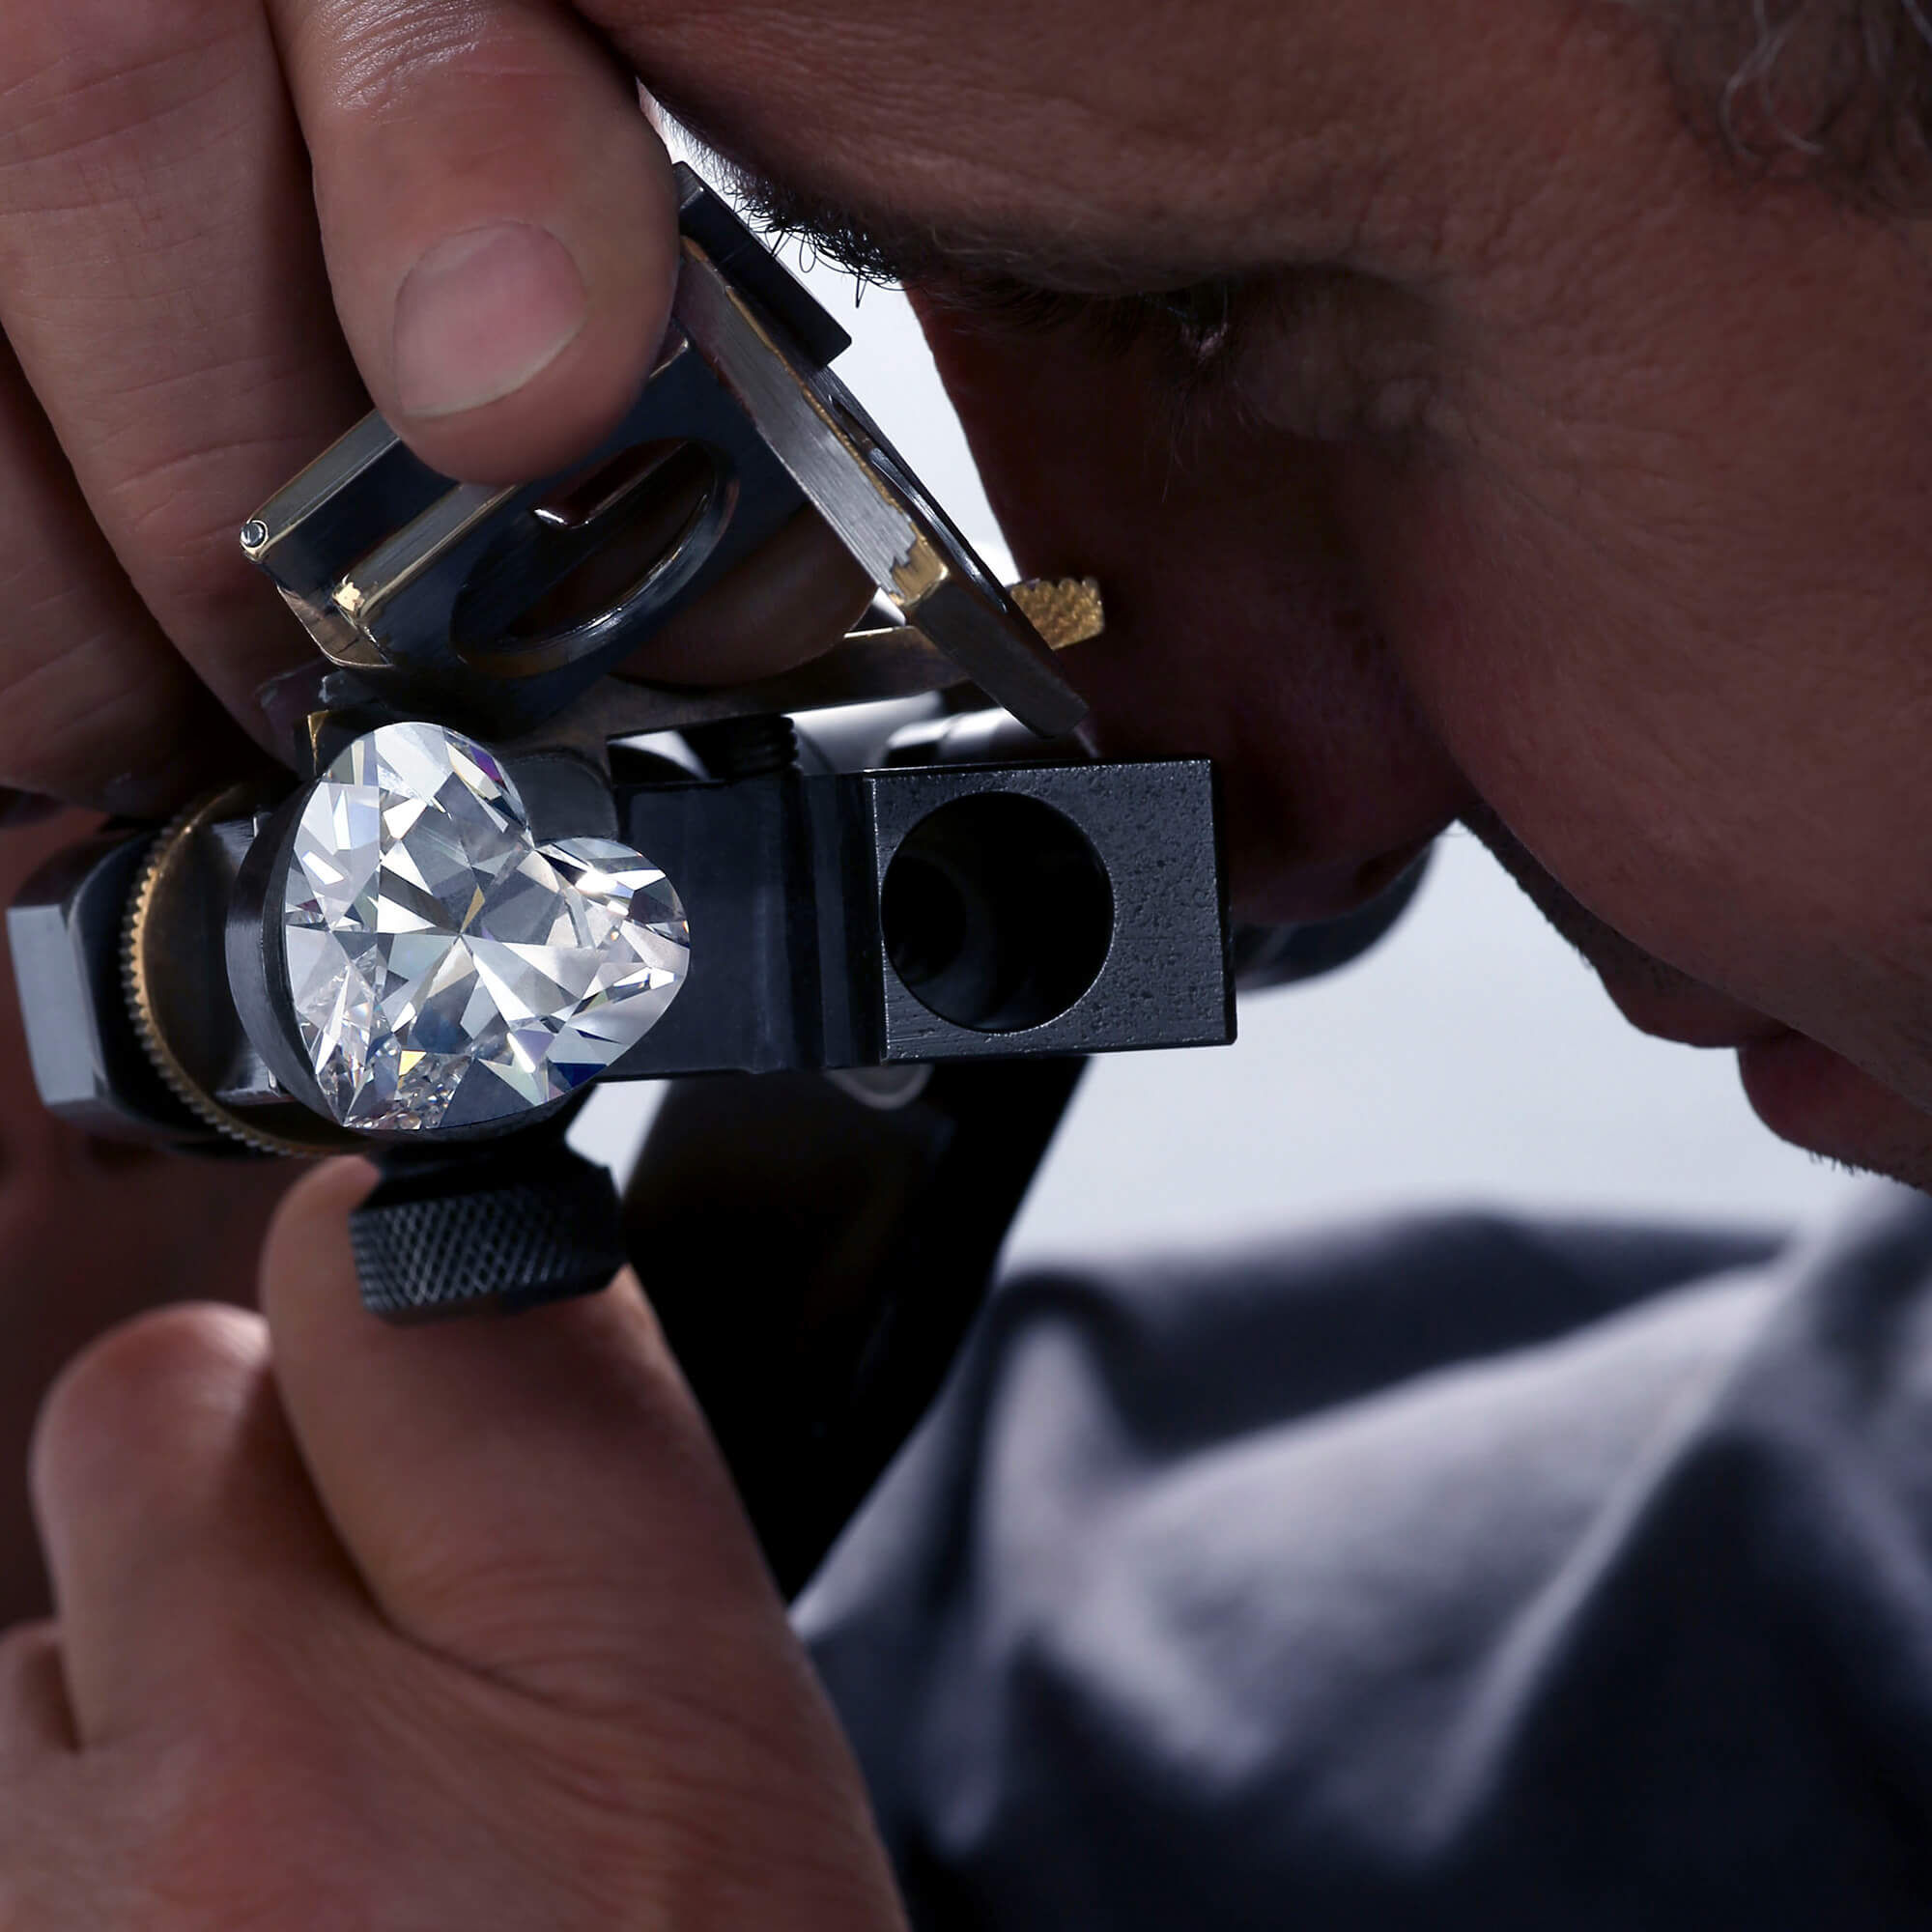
{"x": 1556, "y": 472}
{"x": 287, "y": 1686}
{"x": 1552, "y": 472}
{"x": 330, "y": 1653}
{"x": 92, "y": 1232}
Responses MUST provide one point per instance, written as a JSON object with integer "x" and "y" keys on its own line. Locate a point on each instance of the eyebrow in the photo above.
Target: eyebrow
{"x": 1200, "y": 327}
{"x": 877, "y": 246}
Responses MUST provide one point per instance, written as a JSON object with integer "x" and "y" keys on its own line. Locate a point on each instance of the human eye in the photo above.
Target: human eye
{"x": 1322, "y": 353}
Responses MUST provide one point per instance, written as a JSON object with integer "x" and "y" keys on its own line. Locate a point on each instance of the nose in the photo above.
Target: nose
{"x": 1240, "y": 625}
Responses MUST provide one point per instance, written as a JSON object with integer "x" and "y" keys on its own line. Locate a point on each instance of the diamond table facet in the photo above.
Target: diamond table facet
{"x": 445, "y": 970}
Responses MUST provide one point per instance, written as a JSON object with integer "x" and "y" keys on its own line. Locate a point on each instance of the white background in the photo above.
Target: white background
{"x": 1471, "y": 1058}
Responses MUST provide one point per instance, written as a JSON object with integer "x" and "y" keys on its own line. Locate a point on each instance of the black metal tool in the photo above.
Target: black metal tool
{"x": 817, "y": 1261}
{"x": 501, "y": 874}
{"x": 868, "y": 948}
{"x": 492, "y": 610}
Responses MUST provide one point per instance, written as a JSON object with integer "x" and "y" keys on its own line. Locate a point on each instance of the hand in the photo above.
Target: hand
{"x": 1484, "y": 443}
{"x": 92, "y": 1232}
{"x": 223, "y": 230}
{"x": 451, "y": 1627}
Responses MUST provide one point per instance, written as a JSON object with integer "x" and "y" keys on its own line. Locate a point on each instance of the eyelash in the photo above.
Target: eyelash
{"x": 1198, "y": 331}
{"x": 1322, "y": 353}
{"x": 1326, "y": 355}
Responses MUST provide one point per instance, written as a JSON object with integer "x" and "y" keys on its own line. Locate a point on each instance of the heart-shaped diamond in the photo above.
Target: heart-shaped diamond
{"x": 446, "y": 971}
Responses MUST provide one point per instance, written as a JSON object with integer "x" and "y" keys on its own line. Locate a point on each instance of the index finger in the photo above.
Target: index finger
{"x": 164, "y": 290}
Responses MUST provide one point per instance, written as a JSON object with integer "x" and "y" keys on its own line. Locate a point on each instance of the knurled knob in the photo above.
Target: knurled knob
{"x": 470, "y": 1231}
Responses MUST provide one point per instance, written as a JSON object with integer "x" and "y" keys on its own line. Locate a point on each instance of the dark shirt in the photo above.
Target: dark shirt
{"x": 1453, "y": 1573}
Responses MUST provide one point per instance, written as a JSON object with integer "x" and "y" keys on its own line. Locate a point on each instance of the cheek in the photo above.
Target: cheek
{"x": 1712, "y": 754}
{"x": 1670, "y": 601}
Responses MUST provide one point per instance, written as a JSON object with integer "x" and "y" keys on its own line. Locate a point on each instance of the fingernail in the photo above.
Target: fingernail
{"x": 481, "y": 314}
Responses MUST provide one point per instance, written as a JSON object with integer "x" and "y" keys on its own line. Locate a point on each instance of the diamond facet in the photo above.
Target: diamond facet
{"x": 448, "y": 971}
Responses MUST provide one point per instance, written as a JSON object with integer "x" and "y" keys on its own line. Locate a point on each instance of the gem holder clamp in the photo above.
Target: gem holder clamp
{"x": 905, "y": 914}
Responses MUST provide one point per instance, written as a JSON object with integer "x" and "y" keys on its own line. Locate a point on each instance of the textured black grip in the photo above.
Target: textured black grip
{"x": 498, "y": 1231}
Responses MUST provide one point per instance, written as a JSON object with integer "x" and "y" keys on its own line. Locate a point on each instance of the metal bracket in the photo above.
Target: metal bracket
{"x": 492, "y": 609}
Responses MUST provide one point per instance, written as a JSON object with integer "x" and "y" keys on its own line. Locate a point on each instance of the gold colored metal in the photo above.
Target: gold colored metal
{"x": 893, "y": 661}
{"x": 164, "y": 874}
{"x": 1064, "y": 609}
{"x": 843, "y": 464}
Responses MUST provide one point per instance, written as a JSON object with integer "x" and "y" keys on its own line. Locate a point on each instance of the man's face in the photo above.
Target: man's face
{"x": 1549, "y": 471}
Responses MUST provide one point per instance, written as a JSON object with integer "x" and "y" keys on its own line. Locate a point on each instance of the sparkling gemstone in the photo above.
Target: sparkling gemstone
{"x": 447, "y": 969}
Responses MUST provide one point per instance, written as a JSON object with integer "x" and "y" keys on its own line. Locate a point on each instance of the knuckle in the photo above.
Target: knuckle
{"x": 141, "y": 1396}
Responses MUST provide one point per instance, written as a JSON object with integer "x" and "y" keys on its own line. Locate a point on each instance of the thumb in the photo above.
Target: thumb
{"x": 538, "y": 1497}
{"x": 499, "y": 219}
